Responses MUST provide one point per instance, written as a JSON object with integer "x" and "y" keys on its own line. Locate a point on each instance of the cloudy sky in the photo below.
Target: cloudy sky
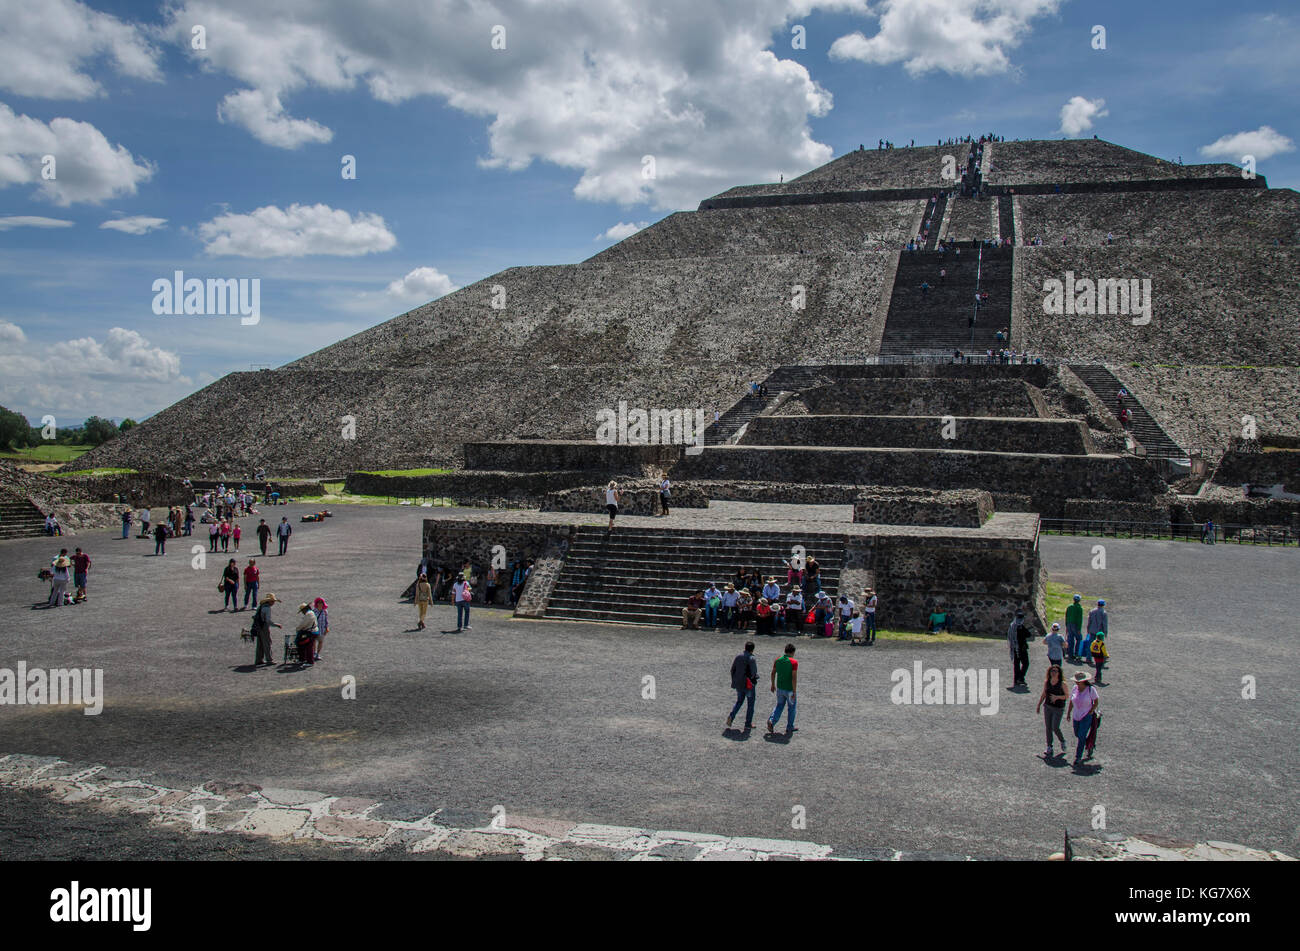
{"x": 138, "y": 139}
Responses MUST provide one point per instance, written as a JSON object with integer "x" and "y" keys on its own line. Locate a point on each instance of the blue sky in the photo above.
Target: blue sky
{"x": 471, "y": 159}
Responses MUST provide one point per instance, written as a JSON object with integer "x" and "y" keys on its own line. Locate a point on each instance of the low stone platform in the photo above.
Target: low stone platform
{"x": 988, "y": 434}
{"x": 980, "y": 576}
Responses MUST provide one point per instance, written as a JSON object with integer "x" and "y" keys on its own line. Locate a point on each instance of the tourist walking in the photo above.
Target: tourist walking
{"x": 1099, "y": 656}
{"x": 80, "y": 569}
{"x": 611, "y": 502}
{"x": 189, "y": 520}
{"x": 1085, "y": 704}
{"x": 1208, "y": 532}
{"x": 284, "y": 530}
{"x": 1055, "y": 645}
{"x": 144, "y": 523}
{"x": 1074, "y": 628}
{"x": 423, "y": 598}
{"x": 252, "y": 580}
{"x": 744, "y": 678}
{"x": 261, "y": 631}
{"x": 306, "y": 632}
{"x": 1052, "y": 703}
{"x": 127, "y": 518}
{"x": 230, "y": 586}
{"x": 665, "y": 494}
{"x": 234, "y": 535}
{"x": 1018, "y": 643}
{"x": 785, "y": 684}
{"x": 263, "y": 535}
{"x": 225, "y": 535}
{"x": 1098, "y": 623}
{"x": 322, "y": 626}
{"x": 160, "y": 539}
{"x": 461, "y": 593}
{"x": 214, "y": 533}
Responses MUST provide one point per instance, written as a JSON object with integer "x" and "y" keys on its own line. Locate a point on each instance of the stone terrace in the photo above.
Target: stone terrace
{"x": 1047, "y": 161}
{"x": 1209, "y": 305}
{"x": 865, "y": 170}
{"x": 970, "y": 221}
{"x": 820, "y": 229}
{"x": 1251, "y": 217}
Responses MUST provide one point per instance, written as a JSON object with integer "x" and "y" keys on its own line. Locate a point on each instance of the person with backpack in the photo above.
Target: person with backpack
{"x": 461, "y": 594}
{"x": 785, "y": 684}
{"x": 1099, "y": 656}
{"x": 744, "y": 680}
{"x": 1084, "y": 706}
{"x": 1052, "y": 704}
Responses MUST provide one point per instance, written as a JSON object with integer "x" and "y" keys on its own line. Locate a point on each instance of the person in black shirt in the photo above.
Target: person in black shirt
{"x": 230, "y": 585}
{"x": 744, "y": 677}
{"x": 263, "y": 534}
{"x": 1052, "y": 702}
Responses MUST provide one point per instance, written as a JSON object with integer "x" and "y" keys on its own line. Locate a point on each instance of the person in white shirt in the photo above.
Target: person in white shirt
{"x": 846, "y": 607}
{"x": 306, "y": 632}
{"x": 771, "y": 590}
{"x": 144, "y": 523}
{"x": 461, "y": 593}
{"x": 855, "y": 627}
{"x": 794, "y": 609}
{"x": 611, "y": 502}
{"x": 869, "y": 616}
{"x": 665, "y": 493}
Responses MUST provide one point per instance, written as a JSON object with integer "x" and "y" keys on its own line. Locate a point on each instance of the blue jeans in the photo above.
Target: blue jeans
{"x": 1072, "y": 639}
{"x": 869, "y": 625}
{"x": 710, "y": 616}
{"x": 232, "y": 597}
{"x": 1085, "y": 648}
{"x": 462, "y": 614}
{"x": 250, "y": 591}
{"x": 1081, "y": 728}
{"x": 782, "y": 698}
{"x": 126, "y": 527}
{"x": 742, "y": 695}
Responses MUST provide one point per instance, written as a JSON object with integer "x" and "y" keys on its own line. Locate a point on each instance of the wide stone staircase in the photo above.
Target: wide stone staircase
{"x": 1142, "y": 426}
{"x": 1006, "y": 219}
{"x": 939, "y": 320}
{"x": 645, "y": 575}
{"x": 934, "y": 214}
{"x": 20, "y": 519}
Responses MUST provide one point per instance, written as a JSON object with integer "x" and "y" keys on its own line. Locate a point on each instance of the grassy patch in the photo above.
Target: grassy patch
{"x": 943, "y": 637}
{"x": 94, "y": 472}
{"x": 54, "y": 452}
{"x": 1059, "y": 597}
{"x": 405, "y": 472}
{"x": 334, "y": 495}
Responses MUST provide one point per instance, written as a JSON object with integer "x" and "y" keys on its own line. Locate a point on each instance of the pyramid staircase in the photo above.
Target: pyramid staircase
{"x": 783, "y": 379}
{"x": 645, "y": 575}
{"x": 20, "y": 519}
{"x": 939, "y": 320}
{"x": 1142, "y": 426}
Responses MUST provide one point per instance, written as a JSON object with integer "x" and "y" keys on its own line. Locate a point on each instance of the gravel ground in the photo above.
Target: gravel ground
{"x": 549, "y": 718}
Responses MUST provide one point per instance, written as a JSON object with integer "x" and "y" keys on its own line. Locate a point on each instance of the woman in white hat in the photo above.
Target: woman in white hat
{"x": 1084, "y": 704}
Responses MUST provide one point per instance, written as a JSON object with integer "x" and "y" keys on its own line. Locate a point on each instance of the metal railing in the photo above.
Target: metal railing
{"x": 1279, "y": 535}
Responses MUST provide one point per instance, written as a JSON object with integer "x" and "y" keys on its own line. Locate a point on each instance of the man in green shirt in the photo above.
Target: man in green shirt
{"x": 1073, "y": 627}
{"x": 785, "y": 683}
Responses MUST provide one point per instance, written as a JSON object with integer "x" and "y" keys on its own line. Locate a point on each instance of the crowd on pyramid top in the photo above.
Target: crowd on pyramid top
{"x": 884, "y": 145}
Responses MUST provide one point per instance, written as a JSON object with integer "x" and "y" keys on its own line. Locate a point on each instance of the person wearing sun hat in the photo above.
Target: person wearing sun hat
{"x": 62, "y": 567}
{"x": 261, "y": 630}
{"x": 1084, "y": 704}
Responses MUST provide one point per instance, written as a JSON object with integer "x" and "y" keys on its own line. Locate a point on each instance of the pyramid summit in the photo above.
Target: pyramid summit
{"x": 815, "y": 270}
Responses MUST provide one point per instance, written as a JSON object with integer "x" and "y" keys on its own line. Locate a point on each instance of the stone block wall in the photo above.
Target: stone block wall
{"x": 550, "y": 456}
{"x": 1113, "y": 511}
{"x": 141, "y": 488}
{"x": 634, "y": 499}
{"x": 964, "y": 508}
{"x": 1065, "y": 436}
{"x": 1280, "y": 467}
{"x": 981, "y": 583}
{"x": 1048, "y": 480}
{"x": 470, "y": 487}
{"x": 922, "y": 397}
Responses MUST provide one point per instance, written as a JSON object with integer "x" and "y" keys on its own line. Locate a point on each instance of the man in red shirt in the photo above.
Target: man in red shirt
{"x": 80, "y": 567}
{"x": 691, "y": 613}
{"x": 252, "y": 577}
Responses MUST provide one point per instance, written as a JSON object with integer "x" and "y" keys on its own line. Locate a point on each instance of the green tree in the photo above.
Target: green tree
{"x": 98, "y": 431}
{"x": 15, "y": 430}
{"x": 126, "y": 424}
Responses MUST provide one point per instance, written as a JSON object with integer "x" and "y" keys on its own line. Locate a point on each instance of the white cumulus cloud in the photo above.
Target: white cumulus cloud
{"x": 45, "y": 45}
{"x": 11, "y": 332}
{"x": 123, "y": 354}
{"x": 32, "y": 221}
{"x": 136, "y": 224}
{"x": 595, "y": 87}
{"x": 85, "y": 166}
{"x": 424, "y": 283}
{"x": 1263, "y": 143}
{"x": 296, "y": 231}
{"x": 1078, "y": 114}
{"x": 624, "y": 229}
{"x": 960, "y": 38}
